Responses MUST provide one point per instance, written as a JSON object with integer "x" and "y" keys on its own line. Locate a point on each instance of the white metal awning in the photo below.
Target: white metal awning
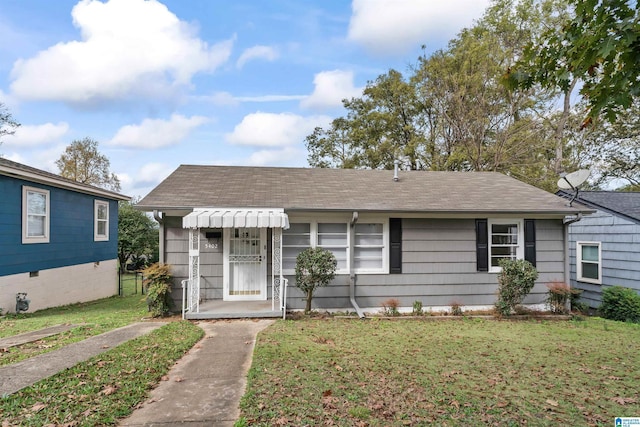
{"x": 236, "y": 218}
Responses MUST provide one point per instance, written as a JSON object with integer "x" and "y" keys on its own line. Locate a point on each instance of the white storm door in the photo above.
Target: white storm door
{"x": 245, "y": 269}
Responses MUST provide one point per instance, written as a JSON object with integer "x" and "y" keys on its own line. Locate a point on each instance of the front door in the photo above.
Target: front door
{"x": 245, "y": 269}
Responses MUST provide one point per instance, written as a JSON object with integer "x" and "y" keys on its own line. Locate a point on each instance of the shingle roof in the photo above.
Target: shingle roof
{"x": 192, "y": 186}
{"x": 11, "y": 168}
{"x": 625, "y": 204}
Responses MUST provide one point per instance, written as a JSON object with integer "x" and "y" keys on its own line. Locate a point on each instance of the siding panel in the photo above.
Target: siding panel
{"x": 620, "y": 249}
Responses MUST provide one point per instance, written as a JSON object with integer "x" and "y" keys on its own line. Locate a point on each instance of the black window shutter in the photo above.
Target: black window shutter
{"x": 530, "y": 241}
{"x": 395, "y": 245}
{"x": 482, "y": 245}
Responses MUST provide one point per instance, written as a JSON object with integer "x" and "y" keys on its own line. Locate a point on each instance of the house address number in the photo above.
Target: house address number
{"x": 211, "y": 246}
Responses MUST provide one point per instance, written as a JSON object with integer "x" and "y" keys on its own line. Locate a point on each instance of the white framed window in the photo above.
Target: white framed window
{"x": 334, "y": 237}
{"x": 294, "y": 240}
{"x": 588, "y": 261}
{"x": 101, "y": 220}
{"x": 35, "y": 215}
{"x": 370, "y": 248}
{"x": 506, "y": 241}
{"x": 370, "y": 244}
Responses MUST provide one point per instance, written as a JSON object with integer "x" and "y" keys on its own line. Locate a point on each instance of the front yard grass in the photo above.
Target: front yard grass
{"x": 94, "y": 318}
{"x": 457, "y": 372}
{"x": 106, "y": 387}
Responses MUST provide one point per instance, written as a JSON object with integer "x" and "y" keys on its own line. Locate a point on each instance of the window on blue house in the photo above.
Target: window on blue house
{"x": 35, "y": 215}
{"x": 589, "y": 265}
{"x": 101, "y": 227}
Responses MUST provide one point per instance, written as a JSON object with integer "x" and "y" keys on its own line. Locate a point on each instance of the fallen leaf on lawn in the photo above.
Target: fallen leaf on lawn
{"x": 110, "y": 389}
{"x": 502, "y": 404}
{"x": 101, "y": 363}
{"x": 38, "y": 407}
{"x": 282, "y": 421}
{"x": 164, "y": 378}
{"x": 4, "y": 350}
{"x": 455, "y": 403}
{"x": 339, "y": 368}
{"x": 326, "y": 393}
{"x": 86, "y": 413}
{"x": 105, "y": 346}
{"x": 178, "y": 380}
{"x": 623, "y": 400}
{"x": 552, "y": 402}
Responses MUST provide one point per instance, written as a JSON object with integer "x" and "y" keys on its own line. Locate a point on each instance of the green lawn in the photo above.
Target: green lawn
{"x": 94, "y": 317}
{"x": 107, "y": 387}
{"x": 457, "y": 372}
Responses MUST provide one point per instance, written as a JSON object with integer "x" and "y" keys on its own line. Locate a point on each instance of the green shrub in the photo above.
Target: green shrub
{"x": 315, "y": 268}
{"x": 390, "y": 307}
{"x": 417, "y": 308}
{"x": 515, "y": 281}
{"x": 158, "y": 279}
{"x": 620, "y": 303}
{"x": 561, "y": 296}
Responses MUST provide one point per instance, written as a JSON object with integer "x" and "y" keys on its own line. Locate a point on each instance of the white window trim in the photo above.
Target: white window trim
{"x": 385, "y": 247}
{"x": 100, "y": 237}
{"x": 26, "y": 239}
{"x": 519, "y": 248}
{"x": 579, "y": 262}
{"x": 313, "y": 229}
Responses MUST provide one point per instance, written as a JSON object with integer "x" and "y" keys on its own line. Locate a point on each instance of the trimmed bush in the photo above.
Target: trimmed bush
{"x": 621, "y": 304}
{"x": 315, "y": 268}
{"x": 561, "y": 297}
{"x": 158, "y": 279}
{"x": 515, "y": 281}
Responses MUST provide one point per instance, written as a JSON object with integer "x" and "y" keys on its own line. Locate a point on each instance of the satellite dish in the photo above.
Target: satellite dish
{"x": 573, "y": 180}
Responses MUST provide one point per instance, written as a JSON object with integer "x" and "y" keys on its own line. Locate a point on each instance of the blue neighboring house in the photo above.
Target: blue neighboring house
{"x": 58, "y": 238}
{"x": 605, "y": 246}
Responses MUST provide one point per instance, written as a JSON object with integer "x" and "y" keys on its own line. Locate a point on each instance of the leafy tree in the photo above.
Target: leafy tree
{"x": 600, "y": 45}
{"x": 137, "y": 235}
{"x": 315, "y": 268}
{"x": 82, "y": 162}
{"x": 452, "y": 112}
{"x": 8, "y": 125}
{"x": 614, "y": 148}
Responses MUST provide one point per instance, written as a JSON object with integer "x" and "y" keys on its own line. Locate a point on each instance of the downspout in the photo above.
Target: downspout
{"x": 567, "y": 265}
{"x": 352, "y": 277}
{"x": 158, "y": 217}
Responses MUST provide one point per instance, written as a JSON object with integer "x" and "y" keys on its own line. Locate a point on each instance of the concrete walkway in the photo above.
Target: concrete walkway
{"x": 19, "y": 375}
{"x": 35, "y": 335}
{"x": 205, "y": 386}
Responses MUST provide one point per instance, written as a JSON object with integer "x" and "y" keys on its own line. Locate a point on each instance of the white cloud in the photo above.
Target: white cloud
{"x": 14, "y": 157}
{"x": 257, "y": 52}
{"x": 274, "y": 130}
{"x": 36, "y": 135}
{"x": 331, "y": 87}
{"x": 128, "y": 48}
{"x": 156, "y": 133}
{"x": 395, "y": 26}
{"x": 275, "y": 157}
{"x": 227, "y": 99}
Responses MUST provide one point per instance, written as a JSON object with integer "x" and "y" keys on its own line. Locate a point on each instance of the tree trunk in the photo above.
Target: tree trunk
{"x": 308, "y": 307}
{"x": 562, "y": 122}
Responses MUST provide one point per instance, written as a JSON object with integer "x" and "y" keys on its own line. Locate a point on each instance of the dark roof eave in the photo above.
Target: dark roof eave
{"x": 558, "y": 213}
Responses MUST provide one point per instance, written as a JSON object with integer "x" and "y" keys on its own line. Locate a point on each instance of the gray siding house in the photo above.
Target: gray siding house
{"x": 605, "y": 247}
{"x": 232, "y": 235}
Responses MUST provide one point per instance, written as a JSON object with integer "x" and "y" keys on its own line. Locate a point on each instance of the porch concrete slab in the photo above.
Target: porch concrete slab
{"x": 32, "y": 336}
{"x": 19, "y": 375}
{"x": 205, "y": 386}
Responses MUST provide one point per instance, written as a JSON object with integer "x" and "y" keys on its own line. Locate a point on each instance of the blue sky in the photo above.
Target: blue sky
{"x": 164, "y": 83}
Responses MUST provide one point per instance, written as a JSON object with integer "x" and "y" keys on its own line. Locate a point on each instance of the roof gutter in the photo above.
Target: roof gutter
{"x": 59, "y": 183}
{"x": 353, "y": 277}
{"x": 567, "y": 262}
{"x": 157, "y": 215}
